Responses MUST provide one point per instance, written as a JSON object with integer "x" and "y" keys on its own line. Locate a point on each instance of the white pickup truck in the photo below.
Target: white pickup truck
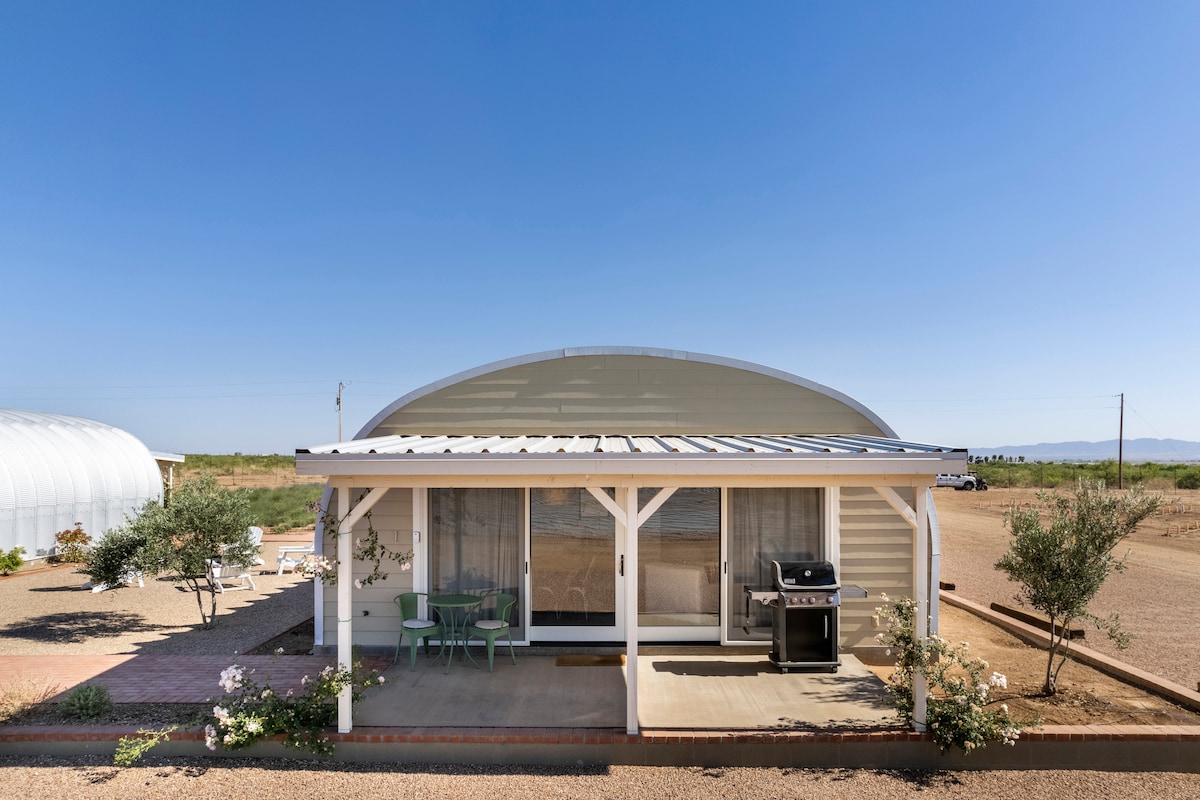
{"x": 963, "y": 483}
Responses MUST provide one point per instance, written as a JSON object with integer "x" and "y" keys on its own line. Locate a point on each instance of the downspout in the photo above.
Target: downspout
{"x": 935, "y": 562}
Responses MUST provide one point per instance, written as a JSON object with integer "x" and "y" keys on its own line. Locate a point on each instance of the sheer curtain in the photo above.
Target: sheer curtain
{"x": 475, "y": 543}
{"x": 767, "y": 525}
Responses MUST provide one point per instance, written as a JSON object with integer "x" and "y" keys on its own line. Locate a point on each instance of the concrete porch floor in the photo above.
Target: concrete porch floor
{"x": 678, "y": 688}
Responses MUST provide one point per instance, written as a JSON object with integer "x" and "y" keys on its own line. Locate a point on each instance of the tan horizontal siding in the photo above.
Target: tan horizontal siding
{"x": 392, "y": 519}
{"x": 877, "y": 554}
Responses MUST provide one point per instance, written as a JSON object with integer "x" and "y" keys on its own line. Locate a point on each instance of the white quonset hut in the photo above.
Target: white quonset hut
{"x": 627, "y": 495}
{"x": 56, "y": 471}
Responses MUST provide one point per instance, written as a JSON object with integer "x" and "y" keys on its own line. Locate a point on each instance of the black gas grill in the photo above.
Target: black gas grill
{"x": 805, "y": 597}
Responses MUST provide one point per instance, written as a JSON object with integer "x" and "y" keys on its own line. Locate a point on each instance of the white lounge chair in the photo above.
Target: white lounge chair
{"x": 291, "y": 556}
{"x": 221, "y": 574}
{"x": 128, "y": 578}
{"x": 256, "y": 534}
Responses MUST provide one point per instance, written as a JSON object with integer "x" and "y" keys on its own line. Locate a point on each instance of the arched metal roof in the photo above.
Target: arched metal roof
{"x": 57, "y": 470}
{"x": 804, "y": 407}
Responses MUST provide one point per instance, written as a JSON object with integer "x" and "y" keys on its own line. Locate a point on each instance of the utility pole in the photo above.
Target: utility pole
{"x": 341, "y": 385}
{"x": 1121, "y": 445}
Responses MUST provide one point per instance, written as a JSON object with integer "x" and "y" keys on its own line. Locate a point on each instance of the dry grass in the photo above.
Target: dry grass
{"x": 22, "y": 694}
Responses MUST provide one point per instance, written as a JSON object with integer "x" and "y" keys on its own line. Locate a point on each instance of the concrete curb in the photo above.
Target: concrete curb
{"x": 1115, "y": 747}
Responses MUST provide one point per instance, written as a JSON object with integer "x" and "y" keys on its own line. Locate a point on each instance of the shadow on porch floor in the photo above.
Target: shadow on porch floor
{"x": 676, "y": 690}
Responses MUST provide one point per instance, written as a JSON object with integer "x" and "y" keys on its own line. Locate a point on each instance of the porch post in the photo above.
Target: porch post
{"x": 345, "y": 573}
{"x": 631, "y": 609}
{"x": 923, "y": 591}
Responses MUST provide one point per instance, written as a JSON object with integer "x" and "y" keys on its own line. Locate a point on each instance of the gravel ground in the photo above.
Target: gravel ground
{"x": 48, "y": 613}
{"x": 45, "y": 777}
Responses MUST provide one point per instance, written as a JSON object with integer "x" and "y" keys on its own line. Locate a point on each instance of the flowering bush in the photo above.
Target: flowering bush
{"x": 956, "y": 712}
{"x": 251, "y": 712}
{"x": 366, "y": 548}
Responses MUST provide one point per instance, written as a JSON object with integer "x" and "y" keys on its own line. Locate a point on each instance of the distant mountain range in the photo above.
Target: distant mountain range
{"x": 1164, "y": 450}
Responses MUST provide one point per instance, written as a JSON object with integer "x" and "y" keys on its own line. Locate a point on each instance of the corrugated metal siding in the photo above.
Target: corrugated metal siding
{"x": 392, "y": 519}
{"x": 57, "y": 470}
{"x": 877, "y": 554}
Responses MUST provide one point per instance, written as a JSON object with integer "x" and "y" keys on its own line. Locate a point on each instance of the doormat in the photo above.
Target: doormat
{"x": 617, "y": 660}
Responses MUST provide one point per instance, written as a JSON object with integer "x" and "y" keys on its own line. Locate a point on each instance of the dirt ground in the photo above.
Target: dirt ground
{"x": 1155, "y": 598}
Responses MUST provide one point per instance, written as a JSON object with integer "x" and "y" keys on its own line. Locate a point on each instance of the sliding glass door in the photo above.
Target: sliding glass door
{"x": 573, "y": 568}
{"x": 679, "y": 552}
{"x": 475, "y": 544}
{"x": 766, "y": 525}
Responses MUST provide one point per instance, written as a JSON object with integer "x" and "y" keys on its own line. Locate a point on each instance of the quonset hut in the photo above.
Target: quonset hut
{"x": 57, "y": 470}
{"x": 627, "y": 495}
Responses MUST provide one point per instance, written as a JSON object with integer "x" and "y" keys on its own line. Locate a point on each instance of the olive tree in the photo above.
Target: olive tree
{"x": 1061, "y": 567}
{"x": 203, "y": 521}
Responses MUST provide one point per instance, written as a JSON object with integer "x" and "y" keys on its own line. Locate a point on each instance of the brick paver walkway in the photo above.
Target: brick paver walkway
{"x": 163, "y": 679}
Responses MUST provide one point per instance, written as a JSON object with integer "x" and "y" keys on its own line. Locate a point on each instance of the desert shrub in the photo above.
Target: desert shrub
{"x": 21, "y": 694}
{"x": 118, "y": 554}
{"x": 130, "y": 749}
{"x": 86, "y": 702}
{"x": 1190, "y": 479}
{"x": 286, "y": 507}
{"x": 229, "y": 465}
{"x": 71, "y": 546}
{"x": 12, "y": 561}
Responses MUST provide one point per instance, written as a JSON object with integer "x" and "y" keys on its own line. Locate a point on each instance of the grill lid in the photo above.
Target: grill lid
{"x": 791, "y": 576}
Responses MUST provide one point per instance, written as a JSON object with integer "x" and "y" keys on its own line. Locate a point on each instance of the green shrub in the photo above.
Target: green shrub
{"x": 286, "y": 507}
{"x": 130, "y": 749}
{"x": 118, "y": 554}
{"x": 71, "y": 546}
{"x": 86, "y": 702}
{"x": 12, "y": 561}
{"x": 232, "y": 465}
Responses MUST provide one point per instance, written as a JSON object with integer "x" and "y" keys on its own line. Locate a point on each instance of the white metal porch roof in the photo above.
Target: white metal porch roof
{"x": 732, "y": 444}
{"x": 595, "y": 456}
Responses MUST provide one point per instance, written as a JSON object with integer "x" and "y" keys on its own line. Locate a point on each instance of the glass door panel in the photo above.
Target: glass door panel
{"x": 475, "y": 544}
{"x": 766, "y": 525}
{"x": 679, "y": 552}
{"x": 572, "y": 567}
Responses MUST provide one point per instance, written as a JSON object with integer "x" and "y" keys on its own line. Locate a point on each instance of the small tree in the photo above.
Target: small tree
{"x": 203, "y": 521}
{"x": 1061, "y": 568}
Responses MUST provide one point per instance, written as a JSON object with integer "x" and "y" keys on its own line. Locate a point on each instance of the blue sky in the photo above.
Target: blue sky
{"x": 982, "y": 221}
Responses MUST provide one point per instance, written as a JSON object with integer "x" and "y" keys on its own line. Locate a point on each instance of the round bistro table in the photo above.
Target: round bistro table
{"x": 454, "y": 610}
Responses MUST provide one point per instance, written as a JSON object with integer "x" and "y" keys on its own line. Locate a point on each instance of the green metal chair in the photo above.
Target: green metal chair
{"x": 416, "y": 628}
{"x": 492, "y": 629}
